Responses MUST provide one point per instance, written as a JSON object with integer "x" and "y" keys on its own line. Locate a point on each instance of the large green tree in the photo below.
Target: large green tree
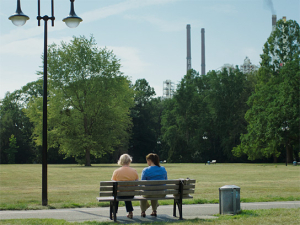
{"x": 206, "y": 116}
{"x": 273, "y": 116}
{"x": 89, "y": 101}
{"x": 227, "y": 94}
{"x": 13, "y": 121}
{"x": 144, "y": 137}
{"x": 184, "y": 121}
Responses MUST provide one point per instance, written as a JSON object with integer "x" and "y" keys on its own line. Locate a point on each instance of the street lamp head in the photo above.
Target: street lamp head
{"x": 18, "y": 18}
{"x": 72, "y": 20}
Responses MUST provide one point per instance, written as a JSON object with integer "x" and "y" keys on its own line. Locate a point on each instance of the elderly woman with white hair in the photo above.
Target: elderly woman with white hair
{"x": 125, "y": 173}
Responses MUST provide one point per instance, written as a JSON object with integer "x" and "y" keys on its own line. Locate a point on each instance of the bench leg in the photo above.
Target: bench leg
{"x": 177, "y": 202}
{"x": 174, "y": 208}
{"x": 110, "y": 209}
{"x": 114, "y": 210}
{"x": 180, "y": 209}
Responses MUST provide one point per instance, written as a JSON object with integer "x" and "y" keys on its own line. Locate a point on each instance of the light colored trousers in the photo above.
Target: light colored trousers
{"x": 144, "y": 204}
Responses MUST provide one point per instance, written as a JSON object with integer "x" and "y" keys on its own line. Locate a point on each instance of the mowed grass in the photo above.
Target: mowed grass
{"x": 246, "y": 217}
{"x": 78, "y": 186}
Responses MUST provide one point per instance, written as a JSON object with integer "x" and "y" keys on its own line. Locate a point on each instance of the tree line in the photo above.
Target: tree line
{"x": 95, "y": 113}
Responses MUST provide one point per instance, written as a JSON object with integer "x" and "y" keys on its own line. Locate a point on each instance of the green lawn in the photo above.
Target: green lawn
{"x": 78, "y": 186}
{"x": 246, "y": 217}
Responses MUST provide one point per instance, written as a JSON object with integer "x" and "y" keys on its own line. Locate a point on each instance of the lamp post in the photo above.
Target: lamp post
{"x": 285, "y": 128}
{"x": 205, "y": 138}
{"x": 158, "y": 146}
{"x": 72, "y": 21}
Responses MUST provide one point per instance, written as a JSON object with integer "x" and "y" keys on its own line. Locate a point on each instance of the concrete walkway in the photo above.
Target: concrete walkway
{"x": 203, "y": 211}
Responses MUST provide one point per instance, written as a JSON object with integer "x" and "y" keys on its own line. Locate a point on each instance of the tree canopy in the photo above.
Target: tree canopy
{"x": 89, "y": 101}
{"x": 273, "y": 116}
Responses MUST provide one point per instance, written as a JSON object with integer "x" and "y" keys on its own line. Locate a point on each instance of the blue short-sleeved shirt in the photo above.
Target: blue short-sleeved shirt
{"x": 154, "y": 173}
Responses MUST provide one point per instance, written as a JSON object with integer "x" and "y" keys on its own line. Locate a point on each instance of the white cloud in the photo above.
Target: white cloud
{"x": 131, "y": 62}
{"x": 163, "y": 25}
{"x": 120, "y": 8}
{"x": 28, "y": 47}
{"x": 24, "y": 33}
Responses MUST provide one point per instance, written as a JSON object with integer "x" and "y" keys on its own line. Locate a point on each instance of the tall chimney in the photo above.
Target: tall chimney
{"x": 202, "y": 51}
{"x": 274, "y": 20}
{"x": 188, "y": 57}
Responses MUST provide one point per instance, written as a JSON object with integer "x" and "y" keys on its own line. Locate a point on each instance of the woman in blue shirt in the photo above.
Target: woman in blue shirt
{"x": 153, "y": 172}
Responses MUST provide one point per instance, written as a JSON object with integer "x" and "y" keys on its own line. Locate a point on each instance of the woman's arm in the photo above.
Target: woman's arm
{"x": 114, "y": 176}
{"x": 143, "y": 176}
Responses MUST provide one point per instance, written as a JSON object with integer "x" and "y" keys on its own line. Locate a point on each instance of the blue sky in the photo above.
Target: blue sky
{"x": 149, "y": 36}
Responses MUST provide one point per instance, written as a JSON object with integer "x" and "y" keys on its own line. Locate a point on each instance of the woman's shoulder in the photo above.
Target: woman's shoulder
{"x": 146, "y": 169}
{"x": 117, "y": 170}
{"x": 134, "y": 170}
{"x": 162, "y": 167}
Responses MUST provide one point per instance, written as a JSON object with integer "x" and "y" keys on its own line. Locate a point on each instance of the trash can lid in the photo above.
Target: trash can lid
{"x": 226, "y": 187}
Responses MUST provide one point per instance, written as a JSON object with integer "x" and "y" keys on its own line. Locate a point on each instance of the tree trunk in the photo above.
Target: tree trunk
{"x": 275, "y": 158}
{"x": 289, "y": 153}
{"x": 87, "y": 151}
{"x": 87, "y": 157}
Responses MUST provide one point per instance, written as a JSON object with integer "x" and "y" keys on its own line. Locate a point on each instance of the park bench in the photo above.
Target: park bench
{"x": 176, "y": 190}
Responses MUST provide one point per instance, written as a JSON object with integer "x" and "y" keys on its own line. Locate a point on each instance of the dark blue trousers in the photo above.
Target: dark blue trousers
{"x": 128, "y": 204}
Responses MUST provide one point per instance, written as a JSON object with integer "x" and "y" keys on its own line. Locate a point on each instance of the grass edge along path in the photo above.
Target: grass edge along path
{"x": 246, "y": 217}
{"x": 24, "y": 206}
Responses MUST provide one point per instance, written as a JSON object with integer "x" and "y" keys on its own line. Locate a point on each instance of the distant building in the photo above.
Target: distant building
{"x": 168, "y": 89}
{"x": 248, "y": 67}
{"x": 228, "y": 67}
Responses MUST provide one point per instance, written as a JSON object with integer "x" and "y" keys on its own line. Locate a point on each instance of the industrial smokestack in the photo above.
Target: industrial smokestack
{"x": 188, "y": 57}
{"x": 202, "y": 51}
{"x": 274, "y": 20}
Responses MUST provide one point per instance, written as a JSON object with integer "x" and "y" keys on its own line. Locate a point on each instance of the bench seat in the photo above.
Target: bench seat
{"x": 139, "y": 198}
{"x": 176, "y": 190}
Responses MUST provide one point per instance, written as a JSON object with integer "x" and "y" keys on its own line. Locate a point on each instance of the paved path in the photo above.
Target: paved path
{"x": 165, "y": 213}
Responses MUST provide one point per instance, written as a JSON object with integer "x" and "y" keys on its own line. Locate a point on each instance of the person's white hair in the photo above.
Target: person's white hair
{"x": 124, "y": 159}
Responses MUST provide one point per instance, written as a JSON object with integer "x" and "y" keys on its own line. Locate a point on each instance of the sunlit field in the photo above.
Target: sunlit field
{"x": 78, "y": 186}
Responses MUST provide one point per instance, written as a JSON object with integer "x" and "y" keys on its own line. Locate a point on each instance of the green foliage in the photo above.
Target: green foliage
{"x": 12, "y": 150}
{"x": 88, "y": 101}
{"x": 14, "y": 121}
{"x": 213, "y": 106}
{"x": 144, "y": 117}
{"x": 273, "y": 116}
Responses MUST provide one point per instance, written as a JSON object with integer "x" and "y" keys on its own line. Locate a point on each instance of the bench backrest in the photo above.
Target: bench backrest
{"x": 149, "y": 187}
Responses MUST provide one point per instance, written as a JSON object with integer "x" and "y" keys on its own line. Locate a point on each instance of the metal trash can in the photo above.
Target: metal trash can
{"x": 229, "y": 199}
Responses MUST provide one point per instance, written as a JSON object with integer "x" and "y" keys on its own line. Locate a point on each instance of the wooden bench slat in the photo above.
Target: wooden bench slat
{"x": 145, "y": 182}
{"x": 149, "y": 193}
{"x": 139, "y": 198}
{"x": 159, "y": 187}
{"x": 106, "y": 188}
{"x": 134, "y": 193}
{"x": 126, "y": 188}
